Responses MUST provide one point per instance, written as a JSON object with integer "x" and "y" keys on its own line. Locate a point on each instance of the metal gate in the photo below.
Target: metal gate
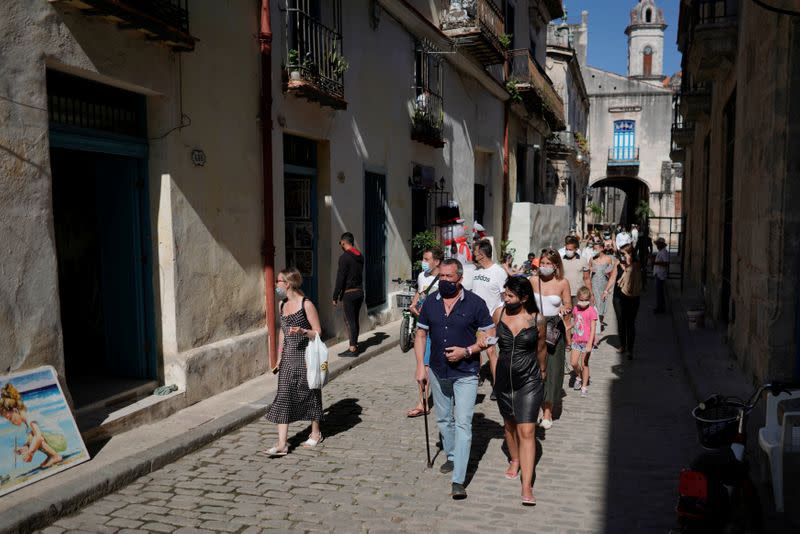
{"x": 671, "y": 229}
{"x": 375, "y": 238}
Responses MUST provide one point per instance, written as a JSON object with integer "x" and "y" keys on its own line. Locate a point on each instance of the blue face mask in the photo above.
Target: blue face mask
{"x": 426, "y": 266}
{"x": 448, "y": 289}
{"x": 280, "y": 292}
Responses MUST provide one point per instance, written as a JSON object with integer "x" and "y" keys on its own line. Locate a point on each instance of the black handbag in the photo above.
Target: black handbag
{"x": 553, "y": 332}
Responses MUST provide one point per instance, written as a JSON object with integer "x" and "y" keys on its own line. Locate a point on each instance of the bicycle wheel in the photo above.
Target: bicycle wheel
{"x": 406, "y": 333}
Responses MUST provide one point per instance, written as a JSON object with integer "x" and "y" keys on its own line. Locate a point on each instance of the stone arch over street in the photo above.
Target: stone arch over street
{"x": 619, "y": 209}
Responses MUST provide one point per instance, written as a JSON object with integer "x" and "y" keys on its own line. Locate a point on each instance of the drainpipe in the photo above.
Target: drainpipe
{"x": 265, "y": 112}
{"x": 506, "y": 184}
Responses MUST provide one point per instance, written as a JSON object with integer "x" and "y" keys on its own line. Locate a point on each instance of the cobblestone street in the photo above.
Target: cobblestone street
{"x": 609, "y": 464}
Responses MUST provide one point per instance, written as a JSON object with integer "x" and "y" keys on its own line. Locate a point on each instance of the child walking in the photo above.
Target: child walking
{"x": 584, "y": 323}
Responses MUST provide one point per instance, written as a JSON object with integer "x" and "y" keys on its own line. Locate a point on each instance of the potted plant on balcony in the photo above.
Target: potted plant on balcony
{"x": 511, "y": 87}
{"x": 338, "y": 63}
{"x": 505, "y": 40}
{"x": 293, "y": 59}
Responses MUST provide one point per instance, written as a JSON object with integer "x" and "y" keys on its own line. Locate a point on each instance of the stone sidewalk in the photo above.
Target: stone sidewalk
{"x": 609, "y": 464}
{"x": 127, "y": 456}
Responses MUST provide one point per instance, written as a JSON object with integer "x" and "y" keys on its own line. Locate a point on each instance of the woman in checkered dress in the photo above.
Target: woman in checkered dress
{"x": 294, "y": 400}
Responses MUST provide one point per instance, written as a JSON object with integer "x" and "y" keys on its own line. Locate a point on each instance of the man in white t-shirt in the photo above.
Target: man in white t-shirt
{"x": 489, "y": 278}
{"x": 660, "y": 272}
{"x": 488, "y": 282}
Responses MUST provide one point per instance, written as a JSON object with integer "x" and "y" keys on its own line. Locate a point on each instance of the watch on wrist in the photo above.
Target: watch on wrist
{"x": 468, "y": 352}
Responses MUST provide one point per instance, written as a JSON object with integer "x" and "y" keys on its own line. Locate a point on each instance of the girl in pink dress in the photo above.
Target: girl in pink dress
{"x": 584, "y": 323}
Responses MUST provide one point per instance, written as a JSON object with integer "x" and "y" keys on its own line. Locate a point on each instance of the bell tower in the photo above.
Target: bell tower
{"x": 646, "y": 41}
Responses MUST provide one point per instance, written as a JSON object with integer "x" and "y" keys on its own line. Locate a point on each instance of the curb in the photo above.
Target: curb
{"x": 675, "y": 308}
{"x": 43, "y": 510}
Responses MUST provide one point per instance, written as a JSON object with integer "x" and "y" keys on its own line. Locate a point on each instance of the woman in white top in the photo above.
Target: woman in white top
{"x": 552, "y": 294}
{"x": 427, "y": 283}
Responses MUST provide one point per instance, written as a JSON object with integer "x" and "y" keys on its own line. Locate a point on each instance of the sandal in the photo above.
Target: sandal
{"x": 511, "y": 464}
{"x": 416, "y": 412}
{"x": 310, "y": 443}
{"x": 529, "y": 501}
{"x": 275, "y": 452}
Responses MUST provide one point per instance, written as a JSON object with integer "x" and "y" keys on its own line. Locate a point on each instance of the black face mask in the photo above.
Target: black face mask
{"x": 448, "y": 289}
{"x": 513, "y": 308}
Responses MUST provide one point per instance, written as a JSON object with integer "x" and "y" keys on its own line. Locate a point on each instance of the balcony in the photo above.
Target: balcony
{"x": 695, "y": 103}
{"x": 164, "y": 21}
{"x": 561, "y": 145}
{"x": 683, "y": 133}
{"x": 313, "y": 66}
{"x": 623, "y": 160}
{"x": 476, "y": 27}
{"x": 713, "y": 38}
{"x": 677, "y": 153}
{"x": 529, "y": 84}
{"x": 427, "y": 121}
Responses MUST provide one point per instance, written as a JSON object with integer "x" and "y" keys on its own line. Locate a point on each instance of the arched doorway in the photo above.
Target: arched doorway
{"x": 618, "y": 198}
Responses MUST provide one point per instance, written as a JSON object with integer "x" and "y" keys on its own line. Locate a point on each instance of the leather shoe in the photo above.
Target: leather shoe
{"x": 458, "y": 492}
{"x": 447, "y": 467}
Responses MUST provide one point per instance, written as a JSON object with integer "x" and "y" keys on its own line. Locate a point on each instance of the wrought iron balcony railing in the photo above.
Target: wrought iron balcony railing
{"x": 564, "y": 143}
{"x": 714, "y": 11}
{"x": 314, "y": 65}
{"x": 427, "y": 121}
{"x": 166, "y": 21}
{"x": 623, "y": 155}
{"x": 535, "y": 88}
{"x": 476, "y": 26}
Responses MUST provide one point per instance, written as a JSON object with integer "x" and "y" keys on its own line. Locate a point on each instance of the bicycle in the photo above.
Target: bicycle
{"x": 408, "y": 326}
{"x": 716, "y": 494}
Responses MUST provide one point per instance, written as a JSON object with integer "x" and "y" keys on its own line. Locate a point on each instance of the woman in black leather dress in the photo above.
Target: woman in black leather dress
{"x": 519, "y": 372}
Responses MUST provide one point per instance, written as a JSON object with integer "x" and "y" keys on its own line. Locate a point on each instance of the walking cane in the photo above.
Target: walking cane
{"x": 425, "y": 416}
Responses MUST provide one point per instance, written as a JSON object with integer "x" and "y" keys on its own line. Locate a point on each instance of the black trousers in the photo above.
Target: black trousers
{"x": 660, "y": 294}
{"x": 627, "y": 308}
{"x": 351, "y": 304}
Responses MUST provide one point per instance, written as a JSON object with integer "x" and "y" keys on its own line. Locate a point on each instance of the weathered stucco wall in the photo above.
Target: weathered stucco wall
{"x": 373, "y": 134}
{"x": 207, "y": 282}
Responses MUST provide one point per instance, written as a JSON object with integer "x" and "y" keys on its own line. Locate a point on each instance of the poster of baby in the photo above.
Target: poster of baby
{"x": 38, "y": 435}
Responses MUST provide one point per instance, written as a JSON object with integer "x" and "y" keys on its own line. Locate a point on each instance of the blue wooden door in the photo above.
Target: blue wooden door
{"x": 375, "y": 238}
{"x": 624, "y": 140}
{"x": 118, "y": 200}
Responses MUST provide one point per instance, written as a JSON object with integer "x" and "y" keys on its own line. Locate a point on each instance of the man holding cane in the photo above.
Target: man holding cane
{"x": 451, "y": 317}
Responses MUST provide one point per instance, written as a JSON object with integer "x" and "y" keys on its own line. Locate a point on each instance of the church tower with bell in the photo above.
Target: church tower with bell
{"x": 646, "y": 41}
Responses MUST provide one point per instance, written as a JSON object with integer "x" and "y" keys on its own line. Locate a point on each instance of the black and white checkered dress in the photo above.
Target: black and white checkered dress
{"x": 294, "y": 401}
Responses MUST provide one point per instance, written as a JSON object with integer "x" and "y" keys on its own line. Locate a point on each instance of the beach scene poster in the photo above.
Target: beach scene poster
{"x": 38, "y": 435}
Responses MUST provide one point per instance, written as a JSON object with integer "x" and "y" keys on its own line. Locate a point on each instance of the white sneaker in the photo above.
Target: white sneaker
{"x": 578, "y": 384}
{"x": 584, "y": 392}
{"x": 546, "y": 424}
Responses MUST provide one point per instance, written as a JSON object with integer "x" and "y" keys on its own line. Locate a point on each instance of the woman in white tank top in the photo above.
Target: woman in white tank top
{"x": 552, "y": 295}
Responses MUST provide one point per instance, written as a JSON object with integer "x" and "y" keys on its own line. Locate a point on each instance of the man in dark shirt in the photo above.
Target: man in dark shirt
{"x": 349, "y": 291}
{"x": 451, "y": 317}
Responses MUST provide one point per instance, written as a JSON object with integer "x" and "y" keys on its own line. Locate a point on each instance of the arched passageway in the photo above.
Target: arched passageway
{"x": 618, "y": 198}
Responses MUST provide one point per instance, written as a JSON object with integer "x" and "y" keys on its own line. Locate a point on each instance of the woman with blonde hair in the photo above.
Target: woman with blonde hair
{"x": 294, "y": 401}
{"x": 551, "y": 292}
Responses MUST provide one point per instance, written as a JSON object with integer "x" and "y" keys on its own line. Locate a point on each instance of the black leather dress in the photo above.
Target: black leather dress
{"x": 518, "y": 383}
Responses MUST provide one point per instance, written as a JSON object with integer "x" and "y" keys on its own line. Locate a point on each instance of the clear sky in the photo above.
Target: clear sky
{"x": 608, "y": 44}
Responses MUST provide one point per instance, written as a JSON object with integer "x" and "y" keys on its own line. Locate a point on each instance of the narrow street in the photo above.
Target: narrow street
{"x": 609, "y": 464}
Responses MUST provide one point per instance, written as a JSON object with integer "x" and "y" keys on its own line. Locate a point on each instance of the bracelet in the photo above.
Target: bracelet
{"x": 469, "y": 352}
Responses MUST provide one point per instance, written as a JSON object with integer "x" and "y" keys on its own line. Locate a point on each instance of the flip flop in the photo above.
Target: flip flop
{"x": 528, "y": 501}
{"x": 515, "y": 474}
{"x": 416, "y": 412}
{"x": 311, "y": 443}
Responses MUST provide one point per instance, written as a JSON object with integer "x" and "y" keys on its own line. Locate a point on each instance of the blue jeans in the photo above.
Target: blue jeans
{"x": 455, "y": 425}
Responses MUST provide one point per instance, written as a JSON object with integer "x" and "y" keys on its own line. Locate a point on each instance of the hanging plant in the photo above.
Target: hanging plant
{"x": 505, "y": 40}
{"x": 513, "y": 90}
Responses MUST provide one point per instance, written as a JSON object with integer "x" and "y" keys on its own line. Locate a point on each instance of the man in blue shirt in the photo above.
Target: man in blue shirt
{"x": 452, "y": 316}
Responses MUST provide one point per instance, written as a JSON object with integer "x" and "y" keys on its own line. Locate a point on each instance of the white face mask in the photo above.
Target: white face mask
{"x": 584, "y": 303}
{"x": 569, "y": 253}
{"x": 547, "y": 270}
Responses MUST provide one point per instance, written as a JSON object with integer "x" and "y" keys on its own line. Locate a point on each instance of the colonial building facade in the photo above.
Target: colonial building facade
{"x": 158, "y": 169}
{"x": 628, "y": 128}
{"x": 736, "y": 124}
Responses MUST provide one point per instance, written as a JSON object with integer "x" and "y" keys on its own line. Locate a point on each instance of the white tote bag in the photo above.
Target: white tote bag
{"x": 316, "y": 363}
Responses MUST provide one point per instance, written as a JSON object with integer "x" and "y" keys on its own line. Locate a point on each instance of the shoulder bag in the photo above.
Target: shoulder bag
{"x": 553, "y": 332}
